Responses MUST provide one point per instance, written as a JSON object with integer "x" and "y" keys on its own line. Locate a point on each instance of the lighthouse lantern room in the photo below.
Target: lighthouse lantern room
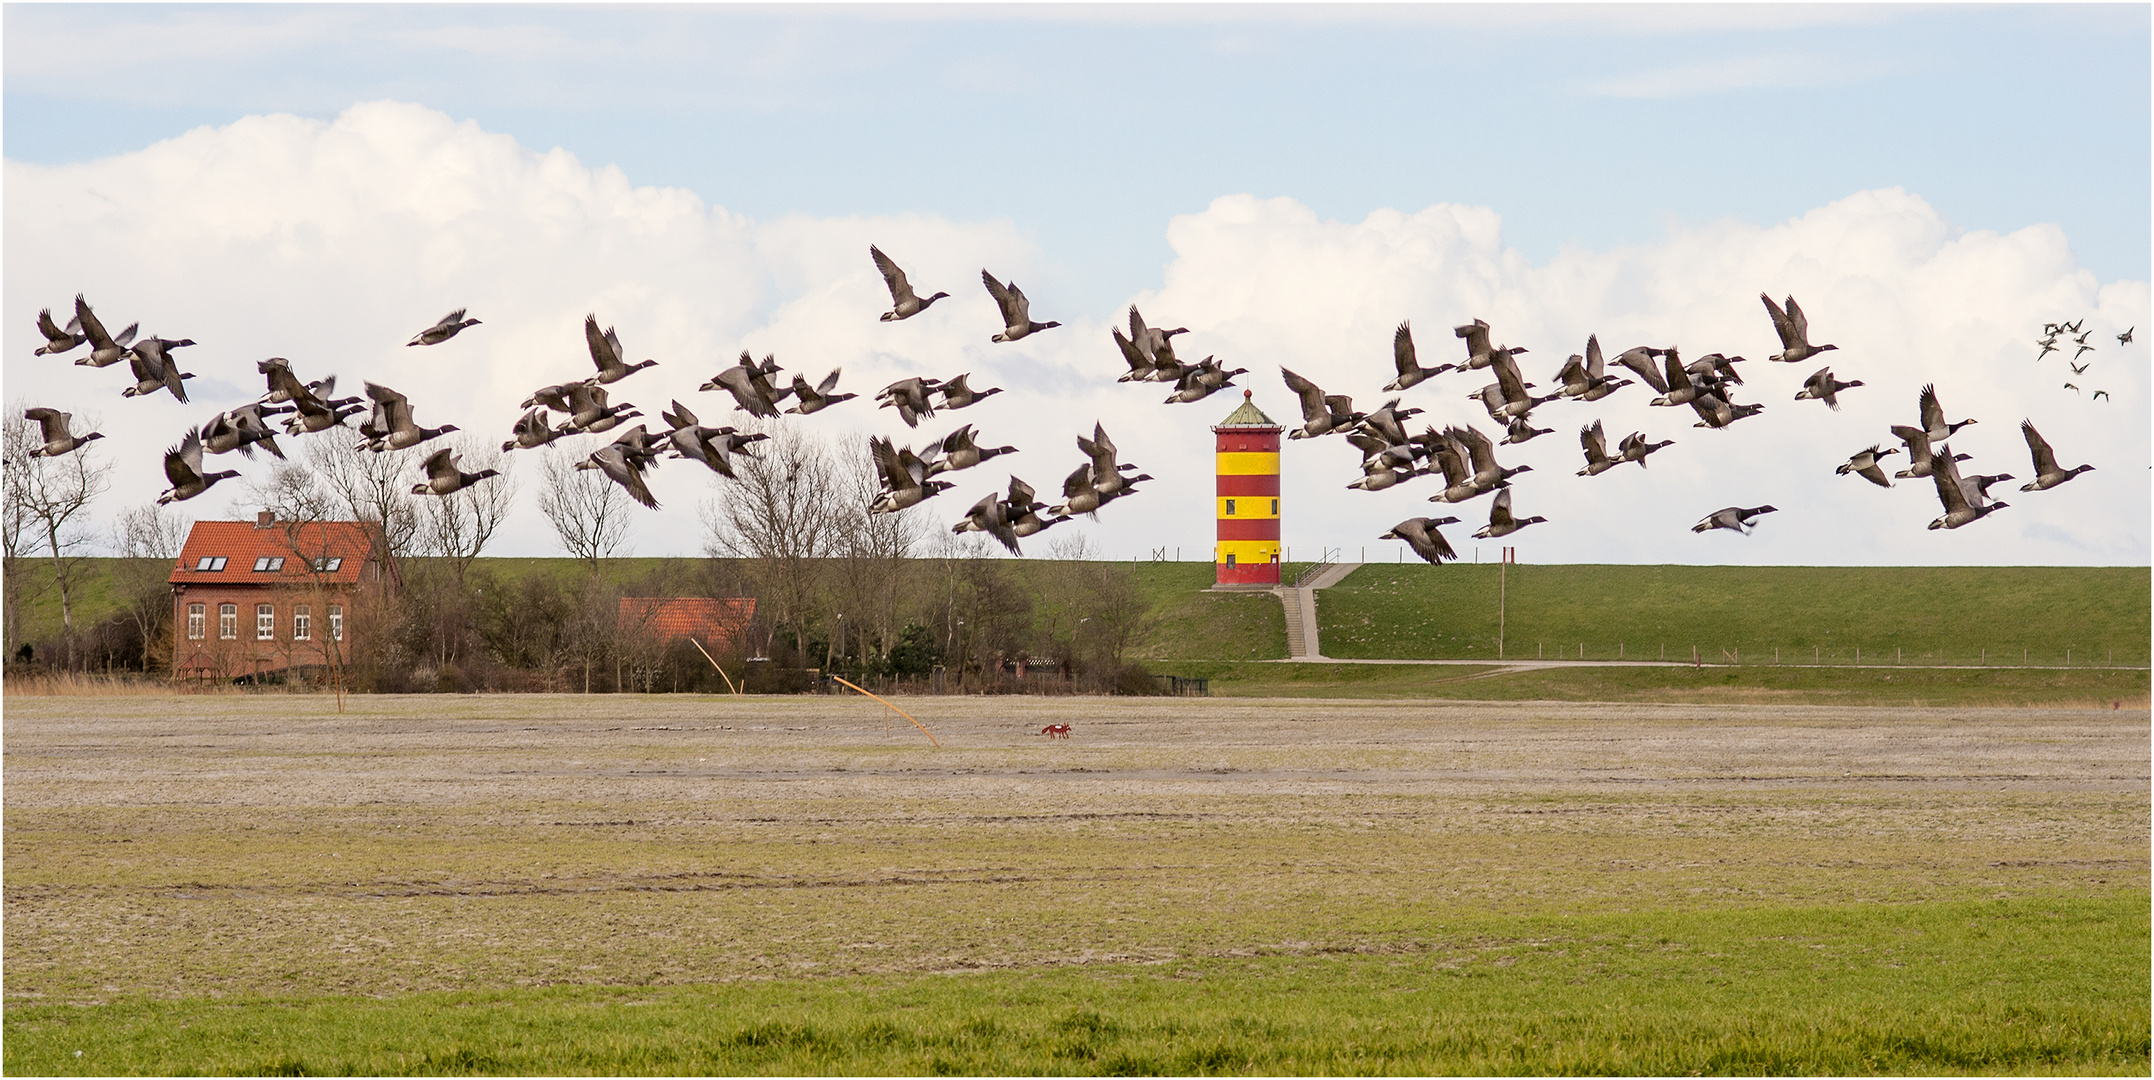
{"x": 1248, "y": 497}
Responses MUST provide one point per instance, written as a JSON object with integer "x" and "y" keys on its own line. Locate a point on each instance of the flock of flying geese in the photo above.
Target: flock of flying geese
{"x": 2053, "y": 332}
{"x": 1466, "y": 458}
{"x": 1461, "y": 454}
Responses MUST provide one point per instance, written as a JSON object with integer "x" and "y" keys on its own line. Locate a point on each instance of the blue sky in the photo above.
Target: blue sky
{"x": 1082, "y": 133}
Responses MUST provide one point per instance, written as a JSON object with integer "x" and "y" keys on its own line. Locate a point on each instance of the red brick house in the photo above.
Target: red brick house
{"x": 263, "y": 597}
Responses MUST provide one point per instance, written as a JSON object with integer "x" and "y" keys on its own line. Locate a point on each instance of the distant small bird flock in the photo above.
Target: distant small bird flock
{"x": 1462, "y": 455}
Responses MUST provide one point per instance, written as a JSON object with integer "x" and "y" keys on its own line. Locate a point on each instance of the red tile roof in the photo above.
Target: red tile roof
{"x": 670, "y": 619}
{"x": 242, "y": 543}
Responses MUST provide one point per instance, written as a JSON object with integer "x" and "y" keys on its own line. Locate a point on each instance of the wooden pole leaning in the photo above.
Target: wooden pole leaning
{"x": 714, "y": 663}
{"x": 923, "y": 727}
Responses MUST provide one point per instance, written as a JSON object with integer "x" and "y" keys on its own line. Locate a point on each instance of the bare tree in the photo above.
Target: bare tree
{"x": 364, "y": 486}
{"x": 52, "y": 497}
{"x": 589, "y": 512}
{"x": 873, "y": 588}
{"x": 148, "y": 539}
{"x": 18, "y": 532}
{"x": 459, "y": 526}
{"x": 781, "y": 515}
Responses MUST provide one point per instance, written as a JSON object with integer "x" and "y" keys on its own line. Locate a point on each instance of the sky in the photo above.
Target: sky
{"x": 1933, "y": 183}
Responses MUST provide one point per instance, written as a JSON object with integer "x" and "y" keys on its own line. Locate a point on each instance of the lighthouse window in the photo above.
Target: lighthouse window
{"x": 1230, "y": 560}
{"x": 1230, "y": 508}
{"x": 1275, "y": 508}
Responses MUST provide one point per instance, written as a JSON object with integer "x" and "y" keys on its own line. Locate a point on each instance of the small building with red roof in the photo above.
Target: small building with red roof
{"x": 266, "y": 597}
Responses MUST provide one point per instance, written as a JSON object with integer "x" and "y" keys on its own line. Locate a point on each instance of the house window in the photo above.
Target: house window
{"x": 265, "y": 622}
{"x": 302, "y": 622}
{"x": 328, "y": 565}
{"x": 197, "y": 621}
{"x": 1230, "y": 508}
{"x": 269, "y": 564}
{"x": 336, "y": 622}
{"x": 210, "y": 564}
{"x": 227, "y": 621}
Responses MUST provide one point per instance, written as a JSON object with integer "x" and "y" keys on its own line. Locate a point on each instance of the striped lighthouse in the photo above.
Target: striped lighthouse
{"x": 1247, "y": 446}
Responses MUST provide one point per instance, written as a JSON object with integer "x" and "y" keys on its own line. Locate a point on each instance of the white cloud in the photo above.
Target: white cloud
{"x": 332, "y": 242}
{"x": 1754, "y": 72}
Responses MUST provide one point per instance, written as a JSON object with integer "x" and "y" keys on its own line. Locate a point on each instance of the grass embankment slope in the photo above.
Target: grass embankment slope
{"x": 2086, "y": 618}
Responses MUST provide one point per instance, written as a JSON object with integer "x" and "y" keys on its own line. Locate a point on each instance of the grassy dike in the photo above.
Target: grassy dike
{"x": 1915, "y": 989}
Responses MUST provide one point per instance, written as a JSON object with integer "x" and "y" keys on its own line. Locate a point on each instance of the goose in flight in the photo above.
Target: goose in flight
{"x": 2079, "y": 369}
{"x": 990, "y": 515}
{"x": 1016, "y": 310}
{"x": 1507, "y": 398}
{"x": 1933, "y": 416}
{"x": 156, "y": 370}
{"x": 57, "y": 340}
{"x": 2125, "y": 338}
{"x": 1920, "y": 462}
{"x": 606, "y": 352}
{"x": 1640, "y": 360}
{"x": 904, "y": 303}
{"x": 957, "y": 395}
{"x": 403, "y": 431}
{"x": 621, "y": 465}
{"x": 1421, "y": 535}
{"x": 1823, "y": 387}
{"x": 589, "y": 413}
{"x": 1522, "y": 430}
{"x": 1449, "y": 455}
{"x": 1719, "y": 366}
{"x": 2047, "y": 348}
{"x": 818, "y": 397}
{"x": 1479, "y": 353}
{"x": 2073, "y": 388}
{"x": 1481, "y": 451}
{"x": 314, "y": 410}
{"x": 2098, "y": 395}
{"x": 105, "y": 349}
{"x": 1976, "y": 488}
{"x": 2082, "y": 351}
{"x": 959, "y": 451}
{"x": 183, "y": 467}
{"x": 1865, "y": 464}
{"x": 1952, "y": 492}
{"x": 1155, "y": 344}
{"x": 240, "y": 429}
{"x": 1024, "y": 511}
{"x": 1411, "y": 373}
{"x": 1635, "y": 448}
{"x": 1585, "y": 378}
{"x": 1377, "y": 475}
{"x": 749, "y": 383}
{"x": 1794, "y": 329}
{"x": 713, "y": 447}
{"x": 449, "y": 326}
{"x": 444, "y": 478}
{"x": 905, "y": 478}
{"x": 1107, "y": 478}
{"x": 556, "y": 397}
{"x": 1201, "y": 380}
{"x": 1715, "y": 411}
{"x": 2047, "y": 473}
{"x": 1500, "y": 521}
{"x": 910, "y": 397}
{"x": 1734, "y": 518}
{"x": 55, "y": 441}
{"x": 1594, "y": 442}
{"x": 1321, "y": 414}
{"x": 532, "y": 432}
{"x": 1681, "y": 390}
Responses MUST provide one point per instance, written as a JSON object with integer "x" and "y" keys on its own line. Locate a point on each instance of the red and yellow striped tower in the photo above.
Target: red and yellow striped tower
{"x": 1248, "y": 497}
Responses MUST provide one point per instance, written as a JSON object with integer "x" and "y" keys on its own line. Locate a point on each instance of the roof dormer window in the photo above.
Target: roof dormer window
{"x": 269, "y": 564}
{"x": 326, "y": 565}
{"x": 210, "y": 564}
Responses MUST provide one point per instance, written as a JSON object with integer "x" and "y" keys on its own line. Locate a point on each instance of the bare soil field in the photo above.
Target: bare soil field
{"x": 201, "y": 846}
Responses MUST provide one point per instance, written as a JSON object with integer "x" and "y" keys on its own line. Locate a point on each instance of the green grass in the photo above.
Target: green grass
{"x": 96, "y": 598}
{"x": 2042, "y": 984}
{"x": 2096, "y": 687}
{"x": 1947, "y": 614}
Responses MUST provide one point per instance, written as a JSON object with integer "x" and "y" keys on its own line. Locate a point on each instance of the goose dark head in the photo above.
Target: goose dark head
{"x": 925, "y": 301}
{"x": 100, "y": 435}
{"x": 481, "y": 475}
{"x": 1045, "y": 325}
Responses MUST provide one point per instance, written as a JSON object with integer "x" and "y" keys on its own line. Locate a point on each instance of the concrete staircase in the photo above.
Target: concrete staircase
{"x": 1300, "y": 604}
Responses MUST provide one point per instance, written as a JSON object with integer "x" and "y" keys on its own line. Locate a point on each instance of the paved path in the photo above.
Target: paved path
{"x": 1301, "y": 632}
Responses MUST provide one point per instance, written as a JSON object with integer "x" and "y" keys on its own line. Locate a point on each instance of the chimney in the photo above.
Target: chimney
{"x": 265, "y": 519}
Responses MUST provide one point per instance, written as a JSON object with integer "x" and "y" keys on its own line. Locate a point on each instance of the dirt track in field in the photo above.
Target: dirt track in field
{"x": 220, "y": 844}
